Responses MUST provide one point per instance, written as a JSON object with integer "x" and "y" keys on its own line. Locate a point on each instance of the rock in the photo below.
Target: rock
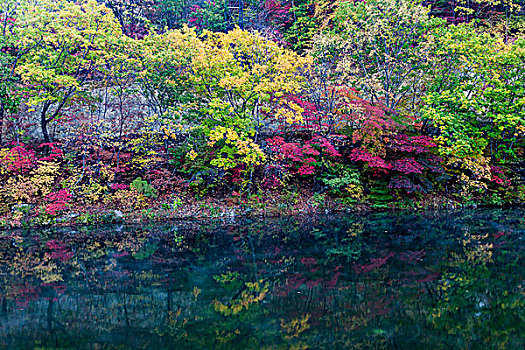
{"x": 118, "y": 214}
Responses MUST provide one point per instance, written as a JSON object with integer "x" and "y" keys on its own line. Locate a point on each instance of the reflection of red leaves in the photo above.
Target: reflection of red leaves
{"x": 314, "y": 283}
{"x": 411, "y": 257}
{"x": 292, "y": 283}
{"x": 429, "y": 278}
{"x": 333, "y": 281}
{"x": 23, "y": 294}
{"x": 309, "y": 261}
{"x": 381, "y": 307}
{"x": 60, "y": 289}
{"x": 120, "y": 255}
{"x": 499, "y": 234}
{"x": 58, "y": 251}
{"x": 376, "y": 263}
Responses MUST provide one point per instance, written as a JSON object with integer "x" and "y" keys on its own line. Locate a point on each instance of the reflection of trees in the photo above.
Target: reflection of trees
{"x": 346, "y": 282}
{"x": 482, "y": 300}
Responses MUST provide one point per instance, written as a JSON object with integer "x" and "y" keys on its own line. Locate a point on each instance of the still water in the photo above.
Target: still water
{"x": 446, "y": 280}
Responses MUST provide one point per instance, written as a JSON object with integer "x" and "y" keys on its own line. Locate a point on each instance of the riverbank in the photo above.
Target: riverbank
{"x": 187, "y": 206}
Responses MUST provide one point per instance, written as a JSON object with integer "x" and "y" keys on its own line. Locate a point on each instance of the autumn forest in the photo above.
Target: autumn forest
{"x": 139, "y": 110}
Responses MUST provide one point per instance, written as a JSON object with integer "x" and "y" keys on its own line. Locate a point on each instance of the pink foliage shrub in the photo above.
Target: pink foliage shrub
{"x": 300, "y": 158}
{"x": 18, "y": 159}
{"x": 58, "y": 202}
{"x": 407, "y": 162}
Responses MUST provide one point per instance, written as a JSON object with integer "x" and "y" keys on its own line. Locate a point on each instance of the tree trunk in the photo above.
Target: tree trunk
{"x": 1, "y": 122}
{"x": 241, "y": 14}
{"x": 43, "y": 123}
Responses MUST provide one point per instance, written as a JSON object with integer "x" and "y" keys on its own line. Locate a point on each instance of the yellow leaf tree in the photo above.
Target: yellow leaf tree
{"x": 241, "y": 82}
{"x": 65, "y": 47}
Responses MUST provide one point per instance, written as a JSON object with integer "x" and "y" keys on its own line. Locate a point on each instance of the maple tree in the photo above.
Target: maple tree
{"x": 241, "y": 80}
{"x": 64, "y": 45}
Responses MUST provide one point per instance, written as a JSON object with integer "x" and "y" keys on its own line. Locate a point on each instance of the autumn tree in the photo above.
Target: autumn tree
{"x": 477, "y": 101}
{"x": 241, "y": 81}
{"x": 385, "y": 48}
{"x": 67, "y": 44}
{"x": 163, "y": 62}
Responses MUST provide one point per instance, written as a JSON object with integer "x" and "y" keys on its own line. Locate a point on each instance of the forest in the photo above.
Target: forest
{"x": 148, "y": 109}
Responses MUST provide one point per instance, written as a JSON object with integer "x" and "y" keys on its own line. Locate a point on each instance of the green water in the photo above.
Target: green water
{"x": 448, "y": 280}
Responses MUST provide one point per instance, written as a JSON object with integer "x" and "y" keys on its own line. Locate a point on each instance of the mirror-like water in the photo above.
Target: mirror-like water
{"x": 434, "y": 281}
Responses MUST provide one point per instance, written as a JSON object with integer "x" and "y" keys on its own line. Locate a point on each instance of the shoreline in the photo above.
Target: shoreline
{"x": 210, "y": 208}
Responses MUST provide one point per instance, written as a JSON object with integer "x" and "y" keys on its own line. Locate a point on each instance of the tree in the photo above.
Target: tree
{"x": 385, "y": 48}
{"x": 241, "y": 81}
{"x": 65, "y": 45}
{"x": 477, "y": 102}
{"x": 163, "y": 62}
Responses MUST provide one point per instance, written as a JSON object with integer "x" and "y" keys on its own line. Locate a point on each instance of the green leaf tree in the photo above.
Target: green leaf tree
{"x": 477, "y": 101}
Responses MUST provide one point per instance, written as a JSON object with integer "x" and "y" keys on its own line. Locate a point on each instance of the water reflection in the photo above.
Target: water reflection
{"x": 441, "y": 280}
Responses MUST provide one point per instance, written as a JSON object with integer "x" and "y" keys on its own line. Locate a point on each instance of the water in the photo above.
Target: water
{"x": 452, "y": 280}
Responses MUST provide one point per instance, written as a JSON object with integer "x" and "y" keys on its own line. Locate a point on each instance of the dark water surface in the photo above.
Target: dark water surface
{"x": 448, "y": 280}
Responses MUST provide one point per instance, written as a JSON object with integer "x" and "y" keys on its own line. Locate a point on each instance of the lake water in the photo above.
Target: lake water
{"x": 445, "y": 280}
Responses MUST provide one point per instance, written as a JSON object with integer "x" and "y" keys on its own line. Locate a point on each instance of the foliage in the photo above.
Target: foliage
{"x": 143, "y": 187}
{"x": 210, "y": 15}
{"x": 386, "y": 45}
{"x": 305, "y": 104}
{"x": 241, "y": 80}
{"x": 61, "y": 45}
{"x": 480, "y": 112}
